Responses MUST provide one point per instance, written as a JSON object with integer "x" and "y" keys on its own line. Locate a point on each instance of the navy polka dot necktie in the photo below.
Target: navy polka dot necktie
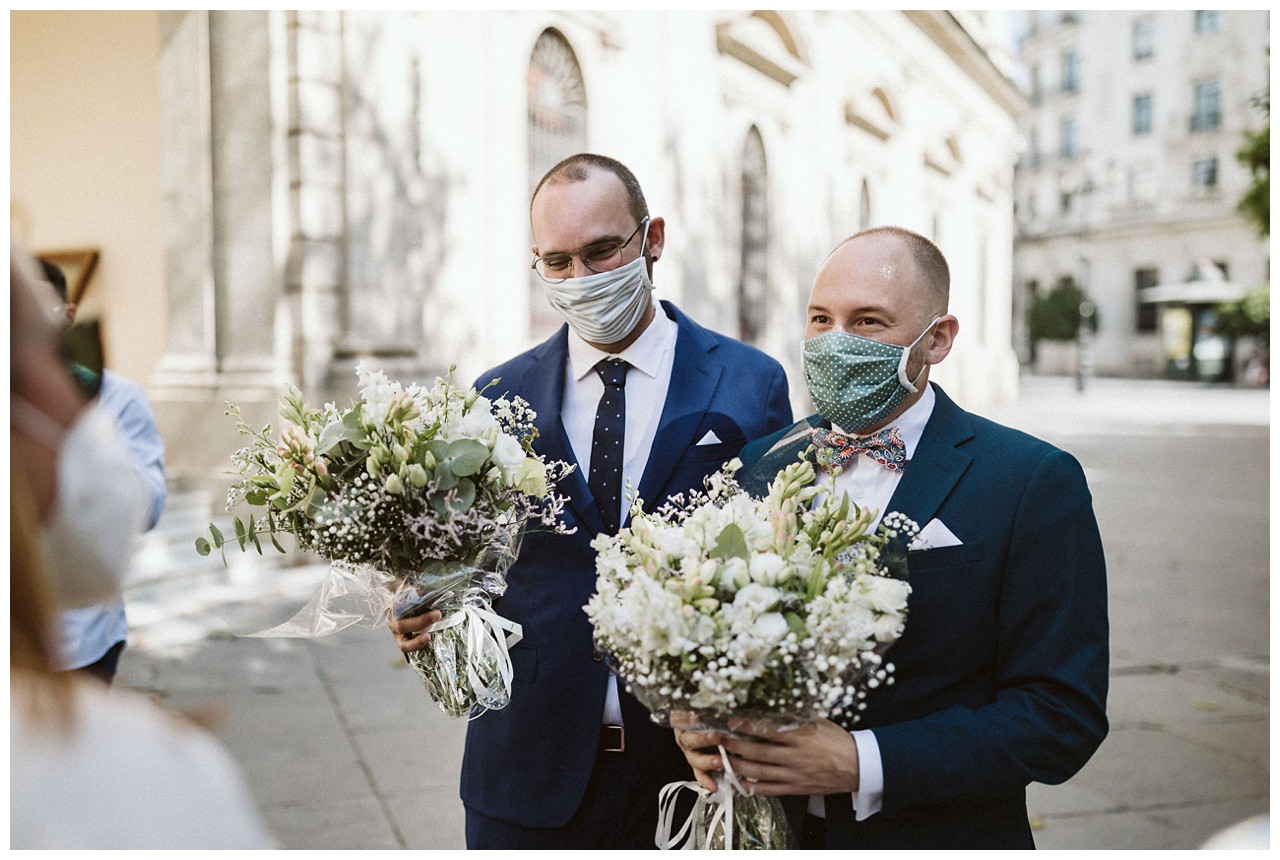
{"x": 605, "y": 480}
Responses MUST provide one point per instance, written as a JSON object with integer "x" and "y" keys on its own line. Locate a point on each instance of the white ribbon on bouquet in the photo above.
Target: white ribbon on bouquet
{"x": 486, "y": 632}
{"x": 727, "y": 785}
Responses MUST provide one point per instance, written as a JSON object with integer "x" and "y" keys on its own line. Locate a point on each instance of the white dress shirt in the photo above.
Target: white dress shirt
{"x": 651, "y": 358}
{"x": 86, "y": 634}
{"x": 871, "y": 485}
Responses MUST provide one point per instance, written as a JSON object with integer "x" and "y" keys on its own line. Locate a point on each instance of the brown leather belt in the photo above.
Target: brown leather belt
{"x": 612, "y": 739}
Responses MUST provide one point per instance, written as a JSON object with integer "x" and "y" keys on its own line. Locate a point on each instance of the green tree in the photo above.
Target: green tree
{"x": 1248, "y": 316}
{"x": 1056, "y": 315}
{"x": 1255, "y": 203}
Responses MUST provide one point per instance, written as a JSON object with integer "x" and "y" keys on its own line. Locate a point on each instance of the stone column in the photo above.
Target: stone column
{"x": 223, "y": 251}
{"x": 316, "y": 270}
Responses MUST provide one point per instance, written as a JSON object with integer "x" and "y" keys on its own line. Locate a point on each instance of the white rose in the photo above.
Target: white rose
{"x": 885, "y": 594}
{"x": 477, "y": 420}
{"x": 770, "y": 628}
{"x": 888, "y": 628}
{"x": 734, "y": 575}
{"x": 672, "y": 541}
{"x": 508, "y": 454}
{"x": 531, "y": 478}
{"x": 765, "y": 567}
{"x": 757, "y": 598}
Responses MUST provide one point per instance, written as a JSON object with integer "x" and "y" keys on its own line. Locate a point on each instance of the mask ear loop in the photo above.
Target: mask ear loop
{"x": 910, "y": 384}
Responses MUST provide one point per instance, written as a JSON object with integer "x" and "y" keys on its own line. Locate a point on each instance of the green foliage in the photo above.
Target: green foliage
{"x": 1255, "y": 203}
{"x": 1248, "y": 316}
{"x": 731, "y": 543}
{"x": 1056, "y": 315}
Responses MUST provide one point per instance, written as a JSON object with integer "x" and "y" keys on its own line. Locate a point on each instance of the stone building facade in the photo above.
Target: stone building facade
{"x": 1128, "y": 179}
{"x": 347, "y": 186}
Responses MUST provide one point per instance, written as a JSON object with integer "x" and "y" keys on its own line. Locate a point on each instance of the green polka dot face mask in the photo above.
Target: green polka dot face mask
{"x": 857, "y": 382}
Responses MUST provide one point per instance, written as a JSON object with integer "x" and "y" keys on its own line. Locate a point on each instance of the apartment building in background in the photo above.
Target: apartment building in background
{"x": 1128, "y": 181}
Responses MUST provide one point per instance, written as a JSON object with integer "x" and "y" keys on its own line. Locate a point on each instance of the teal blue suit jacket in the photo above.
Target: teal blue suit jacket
{"x": 1001, "y": 674}
{"x": 529, "y": 763}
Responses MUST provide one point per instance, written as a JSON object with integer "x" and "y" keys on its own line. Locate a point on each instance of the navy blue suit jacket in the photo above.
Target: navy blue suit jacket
{"x": 1001, "y": 674}
{"x": 529, "y": 763}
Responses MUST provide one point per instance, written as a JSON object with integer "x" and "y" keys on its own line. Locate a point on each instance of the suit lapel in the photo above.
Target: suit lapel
{"x": 694, "y": 377}
{"x": 757, "y": 474}
{"x": 544, "y": 389}
{"x": 936, "y": 464}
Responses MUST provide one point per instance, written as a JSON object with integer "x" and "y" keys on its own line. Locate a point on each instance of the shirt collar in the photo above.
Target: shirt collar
{"x": 645, "y": 355}
{"x": 911, "y": 423}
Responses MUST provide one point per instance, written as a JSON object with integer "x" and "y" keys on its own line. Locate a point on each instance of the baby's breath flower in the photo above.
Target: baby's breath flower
{"x": 772, "y": 608}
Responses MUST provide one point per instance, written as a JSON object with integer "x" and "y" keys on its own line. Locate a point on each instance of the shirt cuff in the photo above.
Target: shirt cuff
{"x": 867, "y": 799}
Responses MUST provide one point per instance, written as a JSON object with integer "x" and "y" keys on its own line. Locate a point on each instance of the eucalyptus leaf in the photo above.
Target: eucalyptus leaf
{"x": 444, "y": 477}
{"x": 731, "y": 543}
{"x": 796, "y": 624}
{"x": 202, "y": 546}
{"x": 335, "y": 433}
{"x": 218, "y": 539}
{"x": 239, "y": 533}
{"x": 315, "y": 497}
{"x": 466, "y": 456}
{"x": 466, "y": 496}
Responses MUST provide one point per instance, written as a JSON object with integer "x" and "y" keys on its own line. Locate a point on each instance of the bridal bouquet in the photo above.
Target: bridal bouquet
{"x": 729, "y": 610}
{"x": 419, "y": 497}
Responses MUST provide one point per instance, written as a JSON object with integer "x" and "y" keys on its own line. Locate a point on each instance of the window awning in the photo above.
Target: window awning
{"x": 1193, "y": 293}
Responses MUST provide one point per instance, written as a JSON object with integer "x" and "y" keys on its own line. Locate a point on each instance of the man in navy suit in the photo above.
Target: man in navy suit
{"x": 639, "y": 396}
{"x": 1001, "y": 674}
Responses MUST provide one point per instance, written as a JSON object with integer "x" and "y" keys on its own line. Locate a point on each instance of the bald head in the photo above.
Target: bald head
{"x": 914, "y": 262}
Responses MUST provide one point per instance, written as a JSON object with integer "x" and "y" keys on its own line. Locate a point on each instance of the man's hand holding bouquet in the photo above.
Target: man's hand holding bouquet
{"x": 732, "y": 616}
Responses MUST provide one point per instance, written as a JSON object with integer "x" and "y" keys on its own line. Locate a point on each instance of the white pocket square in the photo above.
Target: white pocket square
{"x": 933, "y": 536}
{"x": 710, "y": 439}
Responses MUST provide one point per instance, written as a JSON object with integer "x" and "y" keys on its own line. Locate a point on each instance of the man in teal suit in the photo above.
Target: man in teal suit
{"x": 639, "y": 396}
{"x": 1001, "y": 675}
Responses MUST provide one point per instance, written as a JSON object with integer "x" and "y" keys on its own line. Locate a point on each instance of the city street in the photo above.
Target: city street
{"x": 343, "y": 748}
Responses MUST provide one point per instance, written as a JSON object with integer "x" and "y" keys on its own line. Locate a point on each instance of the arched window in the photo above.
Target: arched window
{"x": 557, "y": 129}
{"x": 753, "y": 283}
{"x": 864, "y": 208}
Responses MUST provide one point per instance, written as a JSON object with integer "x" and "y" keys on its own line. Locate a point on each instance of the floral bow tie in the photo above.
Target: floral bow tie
{"x": 836, "y": 450}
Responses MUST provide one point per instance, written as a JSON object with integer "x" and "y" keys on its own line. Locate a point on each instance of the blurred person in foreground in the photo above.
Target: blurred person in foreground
{"x": 93, "y": 637}
{"x": 89, "y": 767}
{"x": 1001, "y": 672}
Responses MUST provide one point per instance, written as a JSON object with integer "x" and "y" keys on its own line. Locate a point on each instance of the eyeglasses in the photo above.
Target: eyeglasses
{"x": 597, "y": 257}
{"x": 81, "y": 348}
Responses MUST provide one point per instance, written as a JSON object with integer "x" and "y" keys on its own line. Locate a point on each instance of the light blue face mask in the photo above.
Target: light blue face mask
{"x": 857, "y": 382}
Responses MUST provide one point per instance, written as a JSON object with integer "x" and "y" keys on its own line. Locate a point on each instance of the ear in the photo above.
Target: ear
{"x": 657, "y": 238}
{"x": 941, "y": 339}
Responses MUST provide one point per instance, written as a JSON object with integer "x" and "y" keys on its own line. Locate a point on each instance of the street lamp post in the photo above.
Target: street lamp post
{"x": 1084, "y": 344}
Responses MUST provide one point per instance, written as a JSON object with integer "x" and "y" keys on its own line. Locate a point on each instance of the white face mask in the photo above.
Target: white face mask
{"x": 99, "y": 505}
{"x": 604, "y": 308}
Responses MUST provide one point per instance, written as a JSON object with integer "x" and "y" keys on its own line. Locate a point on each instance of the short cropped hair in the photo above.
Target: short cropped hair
{"x": 576, "y": 168}
{"x": 933, "y": 266}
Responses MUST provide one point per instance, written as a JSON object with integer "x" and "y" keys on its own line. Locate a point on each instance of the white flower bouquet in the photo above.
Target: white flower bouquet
{"x": 726, "y": 610}
{"x": 419, "y": 497}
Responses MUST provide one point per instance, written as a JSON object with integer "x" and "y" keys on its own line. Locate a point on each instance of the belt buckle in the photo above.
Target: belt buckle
{"x": 612, "y": 739}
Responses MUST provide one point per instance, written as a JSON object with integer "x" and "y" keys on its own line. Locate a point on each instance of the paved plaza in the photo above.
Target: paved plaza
{"x": 343, "y": 748}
